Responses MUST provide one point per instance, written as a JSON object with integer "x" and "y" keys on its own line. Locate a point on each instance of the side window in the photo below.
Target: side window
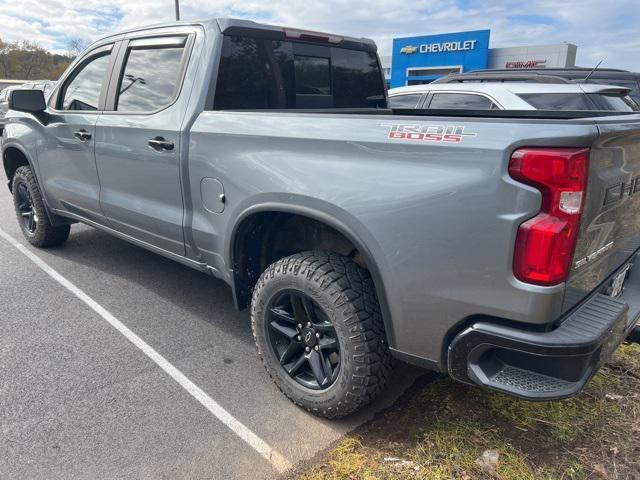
{"x": 460, "y": 101}
{"x": 82, "y": 90}
{"x": 150, "y": 79}
{"x": 558, "y": 101}
{"x": 404, "y": 101}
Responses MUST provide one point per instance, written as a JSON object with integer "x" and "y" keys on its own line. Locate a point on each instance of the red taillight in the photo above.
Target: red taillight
{"x": 545, "y": 243}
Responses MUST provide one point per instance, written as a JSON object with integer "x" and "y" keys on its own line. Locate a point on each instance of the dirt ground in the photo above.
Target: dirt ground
{"x": 445, "y": 430}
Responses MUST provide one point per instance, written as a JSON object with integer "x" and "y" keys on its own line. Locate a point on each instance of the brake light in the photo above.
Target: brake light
{"x": 545, "y": 244}
{"x": 310, "y": 36}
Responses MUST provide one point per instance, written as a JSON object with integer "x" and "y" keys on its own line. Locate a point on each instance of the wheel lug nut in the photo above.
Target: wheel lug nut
{"x": 316, "y": 348}
{"x": 307, "y": 349}
{"x": 299, "y": 326}
{"x": 299, "y": 338}
{"x": 317, "y": 334}
{"x": 309, "y": 324}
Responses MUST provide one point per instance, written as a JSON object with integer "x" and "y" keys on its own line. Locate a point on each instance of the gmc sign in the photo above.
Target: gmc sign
{"x": 525, "y": 64}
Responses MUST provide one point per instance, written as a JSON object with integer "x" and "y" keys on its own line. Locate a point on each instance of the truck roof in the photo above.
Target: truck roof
{"x": 231, "y": 24}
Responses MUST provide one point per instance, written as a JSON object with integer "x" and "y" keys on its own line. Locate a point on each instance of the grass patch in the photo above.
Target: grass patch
{"x": 442, "y": 431}
{"x": 627, "y": 357}
{"x": 565, "y": 419}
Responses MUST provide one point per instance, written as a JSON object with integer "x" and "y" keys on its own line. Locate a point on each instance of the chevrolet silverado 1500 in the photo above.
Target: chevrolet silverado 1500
{"x": 496, "y": 246}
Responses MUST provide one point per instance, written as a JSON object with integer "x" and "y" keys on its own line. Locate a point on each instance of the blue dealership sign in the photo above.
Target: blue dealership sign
{"x": 425, "y": 58}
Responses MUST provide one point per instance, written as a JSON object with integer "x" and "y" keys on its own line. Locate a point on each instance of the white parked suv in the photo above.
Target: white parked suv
{"x": 513, "y": 96}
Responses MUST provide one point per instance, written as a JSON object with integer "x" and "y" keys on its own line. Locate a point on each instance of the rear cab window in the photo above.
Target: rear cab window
{"x": 263, "y": 73}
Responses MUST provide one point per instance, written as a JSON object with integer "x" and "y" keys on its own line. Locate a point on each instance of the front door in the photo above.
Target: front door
{"x": 66, "y": 156}
{"x": 138, "y": 142}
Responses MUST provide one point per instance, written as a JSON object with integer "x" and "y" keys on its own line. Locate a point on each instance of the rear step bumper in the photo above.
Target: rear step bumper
{"x": 548, "y": 365}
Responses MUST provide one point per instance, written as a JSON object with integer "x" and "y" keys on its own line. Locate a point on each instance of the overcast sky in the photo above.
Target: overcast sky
{"x": 602, "y": 29}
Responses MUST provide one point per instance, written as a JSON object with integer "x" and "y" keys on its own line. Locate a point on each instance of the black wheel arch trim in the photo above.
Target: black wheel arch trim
{"x": 55, "y": 220}
{"x": 320, "y": 212}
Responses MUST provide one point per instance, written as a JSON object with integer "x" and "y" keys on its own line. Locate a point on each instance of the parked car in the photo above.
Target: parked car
{"x": 45, "y": 85}
{"x": 4, "y": 105}
{"x": 513, "y": 96}
{"x": 494, "y": 246}
{"x": 608, "y": 76}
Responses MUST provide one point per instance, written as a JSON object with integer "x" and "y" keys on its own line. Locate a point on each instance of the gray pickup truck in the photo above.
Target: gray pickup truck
{"x": 496, "y": 246}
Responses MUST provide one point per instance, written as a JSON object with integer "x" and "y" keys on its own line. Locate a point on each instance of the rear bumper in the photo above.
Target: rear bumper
{"x": 553, "y": 364}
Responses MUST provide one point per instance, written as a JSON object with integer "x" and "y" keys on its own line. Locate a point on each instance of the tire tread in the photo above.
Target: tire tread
{"x": 351, "y": 289}
{"x": 46, "y": 235}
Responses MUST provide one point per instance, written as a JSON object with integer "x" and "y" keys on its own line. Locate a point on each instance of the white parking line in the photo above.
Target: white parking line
{"x": 277, "y": 460}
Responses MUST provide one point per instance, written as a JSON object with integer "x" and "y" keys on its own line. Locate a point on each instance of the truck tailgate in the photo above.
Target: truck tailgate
{"x": 610, "y": 225}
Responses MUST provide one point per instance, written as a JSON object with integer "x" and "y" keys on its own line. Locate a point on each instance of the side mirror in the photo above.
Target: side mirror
{"x": 30, "y": 101}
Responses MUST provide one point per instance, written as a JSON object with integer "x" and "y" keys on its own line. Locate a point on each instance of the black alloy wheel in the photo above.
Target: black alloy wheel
{"x": 303, "y": 340}
{"x": 318, "y": 328}
{"x": 26, "y": 210}
{"x": 31, "y": 211}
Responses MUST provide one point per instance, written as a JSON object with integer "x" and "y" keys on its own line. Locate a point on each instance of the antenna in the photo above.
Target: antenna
{"x": 591, "y": 72}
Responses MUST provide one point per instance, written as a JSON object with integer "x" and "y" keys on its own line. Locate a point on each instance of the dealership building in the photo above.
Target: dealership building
{"x": 422, "y": 59}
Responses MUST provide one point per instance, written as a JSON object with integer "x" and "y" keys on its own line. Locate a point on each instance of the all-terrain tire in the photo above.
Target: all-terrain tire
{"x": 346, "y": 294}
{"x": 43, "y": 234}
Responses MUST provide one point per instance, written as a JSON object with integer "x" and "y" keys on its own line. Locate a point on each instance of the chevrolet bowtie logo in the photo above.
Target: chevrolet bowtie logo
{"x": 409, "y": 49}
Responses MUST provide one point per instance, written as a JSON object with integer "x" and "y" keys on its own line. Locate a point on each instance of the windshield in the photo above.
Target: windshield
{"x": 580, "y": 101}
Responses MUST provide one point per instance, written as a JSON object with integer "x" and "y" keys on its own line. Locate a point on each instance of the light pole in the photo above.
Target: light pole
{"x": 177, "y": 9}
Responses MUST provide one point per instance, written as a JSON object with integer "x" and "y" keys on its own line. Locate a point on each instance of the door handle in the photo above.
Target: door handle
{"x": 83, "y": 135}
{"x": 159, "y": 143}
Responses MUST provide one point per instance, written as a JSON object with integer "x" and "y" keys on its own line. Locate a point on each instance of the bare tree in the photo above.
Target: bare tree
{"x": 28, "y": 61}
{"x": 75, "y": 46}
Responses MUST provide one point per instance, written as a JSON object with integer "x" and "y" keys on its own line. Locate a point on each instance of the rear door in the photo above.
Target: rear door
{"x": 610, "y": 224}
{"x": 138, "y": 139}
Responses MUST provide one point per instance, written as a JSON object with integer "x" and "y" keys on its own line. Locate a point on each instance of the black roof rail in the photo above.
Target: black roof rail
{"x": 549, "y": 69}
{"x": 498, "y": 77}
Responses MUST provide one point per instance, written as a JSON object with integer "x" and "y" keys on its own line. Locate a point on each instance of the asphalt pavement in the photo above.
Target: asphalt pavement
{"x": 89, "y": 394}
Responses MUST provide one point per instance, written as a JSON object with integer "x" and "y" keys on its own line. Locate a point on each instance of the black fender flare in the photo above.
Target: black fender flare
{"x": 328, "y": 215}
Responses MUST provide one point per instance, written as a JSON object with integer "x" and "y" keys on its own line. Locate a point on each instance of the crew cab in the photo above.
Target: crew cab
{"x": 497, "y": 246}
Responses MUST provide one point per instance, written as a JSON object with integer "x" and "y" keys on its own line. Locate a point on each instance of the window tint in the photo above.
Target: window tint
{"x": 270, "y": 74}
{"x": 460, "y": 101}
{"x": 580, "y": 101}
{"x": 150, "y": 78}
{"x": 615, "y": 103}
{"x": 312, "y": 75}
{"x": 404, "y": 101}
{"x": 557, "y": 101}
{"x": 357, "y": 79}
{"x": 83, "y": 91}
